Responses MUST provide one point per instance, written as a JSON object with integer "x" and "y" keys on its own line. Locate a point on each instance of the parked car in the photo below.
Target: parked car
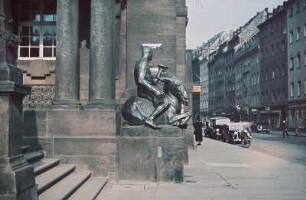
{"x": 220, "y": 132}
{"x": 216, "y": 127}
{"x": 209, "y": 131}
{"x": 234, "y": 133}
{"x": 219, "y": 120}
{"x": 263, "y": 126}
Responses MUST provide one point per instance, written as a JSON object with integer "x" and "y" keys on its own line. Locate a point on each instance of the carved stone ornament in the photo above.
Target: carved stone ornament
{"x": 41, "y": 97}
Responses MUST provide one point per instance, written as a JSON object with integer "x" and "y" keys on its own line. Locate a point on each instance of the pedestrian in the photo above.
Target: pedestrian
{"x": 284, "y": 128}
{"x": 198, "y": 129}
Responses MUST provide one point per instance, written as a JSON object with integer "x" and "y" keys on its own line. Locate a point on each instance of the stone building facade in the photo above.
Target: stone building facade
{"x": 273, "y": 61}
{"x": 296, "y": 39}
{"x": 201, "y": 57}
{"x": 234, "y": 73}
{"x": 79, "y": 57}
{"x": 247, "y": 86}
{"x": 216, "y": 74}
{"x": 229, "y": 73}
{"x": 247, "y": 67}
{"x": 204, "y": 85}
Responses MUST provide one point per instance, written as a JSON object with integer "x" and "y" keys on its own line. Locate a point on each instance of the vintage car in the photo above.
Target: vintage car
{"x": 263, "y": 126}
{"x": 216, "y": 127}
{"x": 234, "y": 132}
{"x": 219, "y": 132}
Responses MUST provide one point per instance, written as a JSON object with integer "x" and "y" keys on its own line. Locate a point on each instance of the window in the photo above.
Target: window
{"x": 299, "y": 85}
{"x": 273, "y": 73}
{"x": 292, "y": 90}
{"x": 290, "y": 11}
{"x": 304, "y": 30}
{"x": 298, "y": 33}
{"x": 291, "y": 64}
{"x": 291, "y": 37}
{"x": 298, "y": 61}
{"x": 304, "y": 4}
{"x": 304, "y": 58}
{"x": 297, "y": 7}
{"x": 304, "y": 87}
{"x": 37, "y": 29}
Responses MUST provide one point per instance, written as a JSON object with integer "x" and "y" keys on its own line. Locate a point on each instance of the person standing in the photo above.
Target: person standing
{"x": 284, "y": 127}
{"x": 198, "y": 129}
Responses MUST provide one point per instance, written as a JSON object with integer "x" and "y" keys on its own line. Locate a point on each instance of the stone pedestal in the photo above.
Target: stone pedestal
{"x": 154, "y": 155}
{"x": 16, "y": 175}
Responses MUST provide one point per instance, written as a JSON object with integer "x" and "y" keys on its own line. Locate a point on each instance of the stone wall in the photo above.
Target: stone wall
{"x": 85, "y": 137}
{"x": 150, "y": 22}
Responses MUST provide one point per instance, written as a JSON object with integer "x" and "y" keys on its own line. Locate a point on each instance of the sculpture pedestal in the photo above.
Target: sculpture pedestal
{"x": 154, "y": 155}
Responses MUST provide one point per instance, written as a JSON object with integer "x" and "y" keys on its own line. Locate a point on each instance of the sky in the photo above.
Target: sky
{"x": 208, "y": 17}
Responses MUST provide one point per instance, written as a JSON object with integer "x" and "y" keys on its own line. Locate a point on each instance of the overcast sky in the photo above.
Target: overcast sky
{"x": 208, "y": 17}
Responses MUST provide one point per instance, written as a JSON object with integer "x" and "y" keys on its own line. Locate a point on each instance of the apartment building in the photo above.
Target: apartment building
{"x": 296, "y": 38}
{"x": 273, "y": 71}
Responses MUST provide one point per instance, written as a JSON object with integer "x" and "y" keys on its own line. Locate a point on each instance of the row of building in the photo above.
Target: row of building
{"x": 257, "y": 72}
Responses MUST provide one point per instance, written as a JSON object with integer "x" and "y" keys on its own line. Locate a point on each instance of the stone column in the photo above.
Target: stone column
{"x": 67, "y": 55}
{"x": 16, "y": 175}
{"x": 101, "y": 72}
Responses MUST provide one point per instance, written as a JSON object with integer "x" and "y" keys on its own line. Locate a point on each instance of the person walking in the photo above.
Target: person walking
{"x": 284, "y": 128}
{"x": 198, "y": 129}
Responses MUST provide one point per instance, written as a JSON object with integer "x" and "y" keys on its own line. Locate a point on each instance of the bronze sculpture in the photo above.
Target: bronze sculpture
{"x": 153, "y": 102}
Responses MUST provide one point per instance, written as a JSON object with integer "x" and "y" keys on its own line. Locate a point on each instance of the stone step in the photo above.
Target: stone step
{"x": 52, "y": 176}
{"x": 33, "y": 156}
{"x": 44, "y": 165}
{"x": 90, "y": 189}
{"x": 65, "y": 188}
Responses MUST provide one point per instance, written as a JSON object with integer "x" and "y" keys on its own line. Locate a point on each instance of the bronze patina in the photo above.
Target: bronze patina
{"x": 152, "y": 102}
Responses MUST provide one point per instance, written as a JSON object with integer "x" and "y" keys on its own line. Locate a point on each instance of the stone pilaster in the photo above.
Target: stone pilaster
{"x": 67, "y": 55}
{"x": 16, "y": 175}
{"x": 101, "y": 72}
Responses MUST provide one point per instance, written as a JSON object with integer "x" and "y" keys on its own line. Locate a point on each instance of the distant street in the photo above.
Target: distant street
{"x": 292, "y": 149}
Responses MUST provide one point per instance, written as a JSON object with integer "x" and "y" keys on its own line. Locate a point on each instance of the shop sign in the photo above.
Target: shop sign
{"x": 196, "y": 88}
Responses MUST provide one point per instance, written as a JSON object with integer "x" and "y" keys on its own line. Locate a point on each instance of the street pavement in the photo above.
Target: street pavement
{"x": 290, "y": 148}
{"x": 218, "y": 170}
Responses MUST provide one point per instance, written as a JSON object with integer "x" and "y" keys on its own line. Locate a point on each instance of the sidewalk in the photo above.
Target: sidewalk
{"x": 222, "y": 171}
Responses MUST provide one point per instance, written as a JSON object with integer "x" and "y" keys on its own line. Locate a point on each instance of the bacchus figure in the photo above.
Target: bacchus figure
{"x": 146, "y": 86}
